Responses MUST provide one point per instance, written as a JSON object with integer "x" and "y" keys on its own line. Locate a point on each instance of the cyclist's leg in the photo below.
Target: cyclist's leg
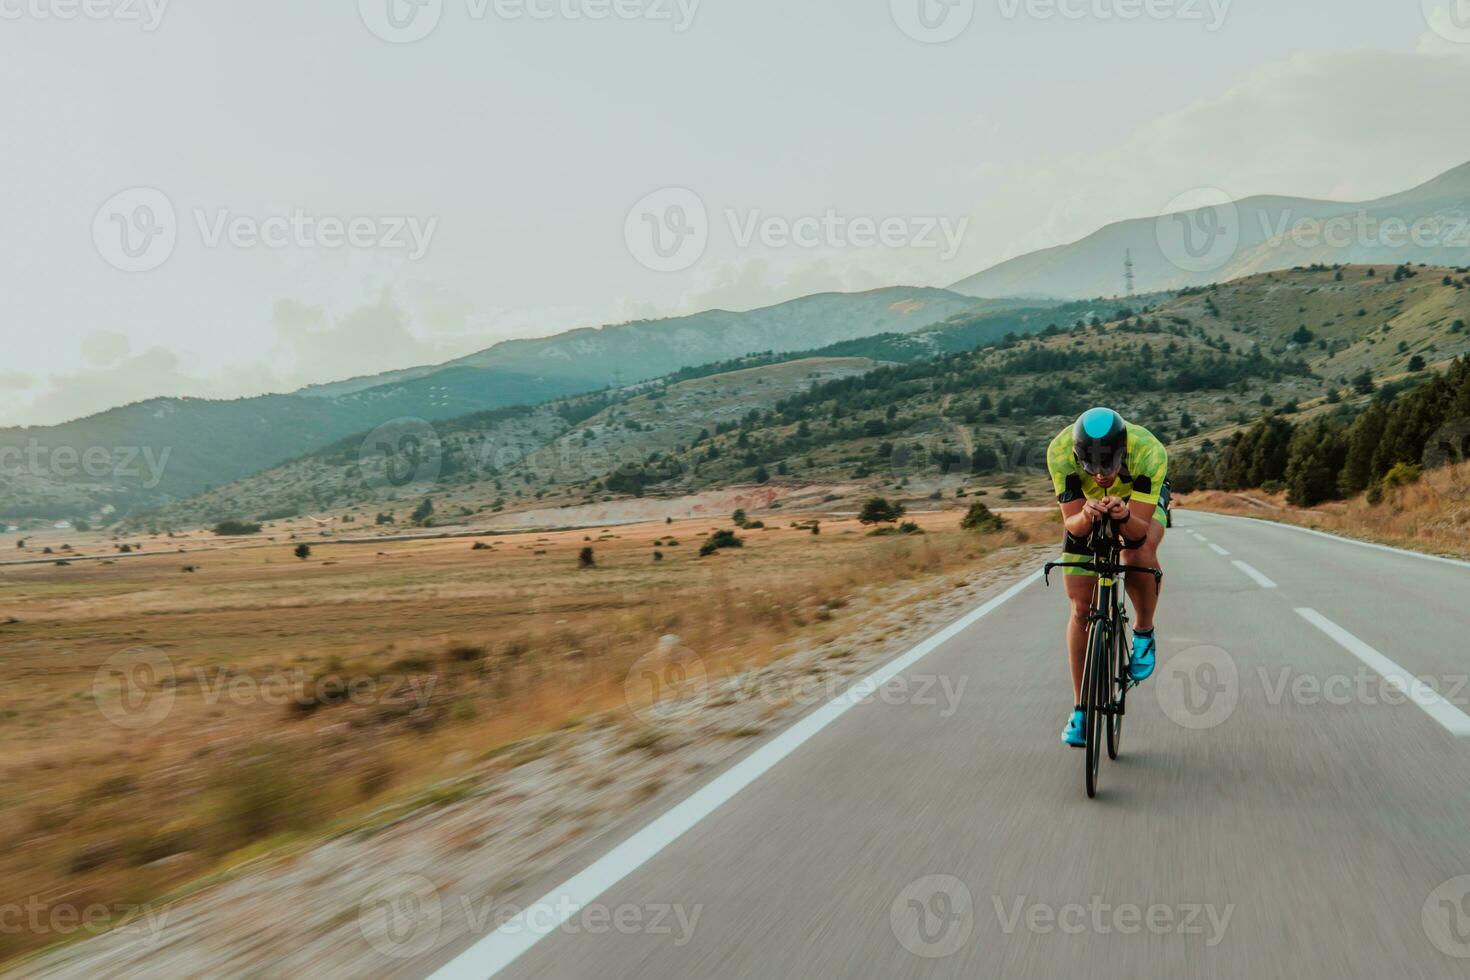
{"x": 1143, "y": 590}
{"x": 1080, "y": 585}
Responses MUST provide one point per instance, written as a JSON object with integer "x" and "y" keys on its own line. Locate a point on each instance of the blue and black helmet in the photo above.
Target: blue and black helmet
{"x": 1100, "y": 440}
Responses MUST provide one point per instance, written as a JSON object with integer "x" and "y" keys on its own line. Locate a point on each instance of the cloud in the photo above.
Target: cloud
{"x": 151, "y": 374}
{"x": 371, "y": 338}
{"x": 104, "y": 347}
{"x": 16, "y": 381}
{"x": 1353, "y": 126}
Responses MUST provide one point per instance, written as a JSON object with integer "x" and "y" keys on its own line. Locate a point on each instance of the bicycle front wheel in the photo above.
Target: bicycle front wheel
{"x": 1094, "y": 699}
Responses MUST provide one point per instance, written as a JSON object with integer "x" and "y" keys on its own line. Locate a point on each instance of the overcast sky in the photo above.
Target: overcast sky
{"x": 217, "y": 198}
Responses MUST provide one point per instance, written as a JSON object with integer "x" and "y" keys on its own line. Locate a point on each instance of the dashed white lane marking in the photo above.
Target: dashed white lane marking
{"x": 1218, "y": 550}
{"x": 508, "y": 943}
{"x": 1261, "y": 580}
{"x": 1346, "y": 540}
{"x": 1452, "y": 718}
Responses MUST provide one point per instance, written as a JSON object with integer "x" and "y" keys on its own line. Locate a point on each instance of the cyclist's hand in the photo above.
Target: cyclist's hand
{"x": 1117, "y": 507}
{"x": 1095, "y": 510}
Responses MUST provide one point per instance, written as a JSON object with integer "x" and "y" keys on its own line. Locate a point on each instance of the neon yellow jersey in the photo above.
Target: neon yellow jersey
{"x": 1145, "y": 467}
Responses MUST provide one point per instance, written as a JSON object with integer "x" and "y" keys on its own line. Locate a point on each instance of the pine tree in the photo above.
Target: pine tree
{"x": 1363, "y": 440}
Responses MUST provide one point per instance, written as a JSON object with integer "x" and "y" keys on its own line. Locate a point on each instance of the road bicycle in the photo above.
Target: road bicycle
{"x": 1105, "y": 680}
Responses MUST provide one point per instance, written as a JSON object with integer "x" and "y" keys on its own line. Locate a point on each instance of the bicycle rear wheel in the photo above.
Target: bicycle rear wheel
{"x": 1117, "y": 689}
{"x": 1094, "y": 698}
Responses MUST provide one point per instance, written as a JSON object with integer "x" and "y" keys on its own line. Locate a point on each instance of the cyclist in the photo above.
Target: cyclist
{"x": 1103, "y": 467}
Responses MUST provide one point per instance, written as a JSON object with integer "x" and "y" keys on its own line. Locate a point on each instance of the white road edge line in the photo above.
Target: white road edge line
{"x": 1261, "y": 580}
{"x": 1455, "y": 721}
{"x": 508, "y": 943}
{"x": 1340, "y": 538}
{"x": 1219, "y": 550}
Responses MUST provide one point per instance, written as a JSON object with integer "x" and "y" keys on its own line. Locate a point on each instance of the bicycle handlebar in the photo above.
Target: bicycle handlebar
{"x": 1106, "y": 568}
{"x": 1107, "y": 531}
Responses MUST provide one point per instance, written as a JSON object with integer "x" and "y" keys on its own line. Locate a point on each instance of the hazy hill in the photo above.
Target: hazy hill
{"x": 643, "y": 349}
{"x": 1274, "y": 233}
{"x": 468, "y": 463}
{"x": 203, "y": 443}
{"x": 930, "y": 407}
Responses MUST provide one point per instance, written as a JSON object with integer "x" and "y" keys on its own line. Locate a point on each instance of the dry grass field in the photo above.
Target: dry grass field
{"x": 160, "y": 725}
{"x": 1432, "y": 515}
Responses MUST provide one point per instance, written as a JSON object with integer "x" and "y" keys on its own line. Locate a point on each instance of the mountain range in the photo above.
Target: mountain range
{"x": 1429, "y": 224}
{"x": 150, "y": 452}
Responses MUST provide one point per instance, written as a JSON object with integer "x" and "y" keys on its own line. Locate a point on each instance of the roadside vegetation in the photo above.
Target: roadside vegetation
{"x": 311, "y": 691}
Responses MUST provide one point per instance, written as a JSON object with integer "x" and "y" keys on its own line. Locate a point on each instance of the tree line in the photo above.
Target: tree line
{"x": 1344, "y": 452}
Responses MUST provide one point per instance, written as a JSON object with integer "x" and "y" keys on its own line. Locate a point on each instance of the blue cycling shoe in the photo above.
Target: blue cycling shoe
{"x": 1145, "y": 651}
{"x": 1073, "y": 734}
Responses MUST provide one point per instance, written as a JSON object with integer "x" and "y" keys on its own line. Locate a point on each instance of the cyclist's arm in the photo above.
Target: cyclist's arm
{"x": 1140, "y": 516}
{"x": 1153, "y": 470}
{"x": 1079, "y": 515}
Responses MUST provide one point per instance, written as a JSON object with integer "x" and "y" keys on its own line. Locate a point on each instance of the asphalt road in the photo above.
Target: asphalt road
{"x": 1281, "y": 808}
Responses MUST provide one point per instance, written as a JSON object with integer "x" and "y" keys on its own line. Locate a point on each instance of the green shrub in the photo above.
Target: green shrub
{"x": 880, "y": 510}
{"x": 720, "y": 539}
{"x": 234, "y": 528}
{"x": 1402, "y": 475}
{"x": 981, "y": 518}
